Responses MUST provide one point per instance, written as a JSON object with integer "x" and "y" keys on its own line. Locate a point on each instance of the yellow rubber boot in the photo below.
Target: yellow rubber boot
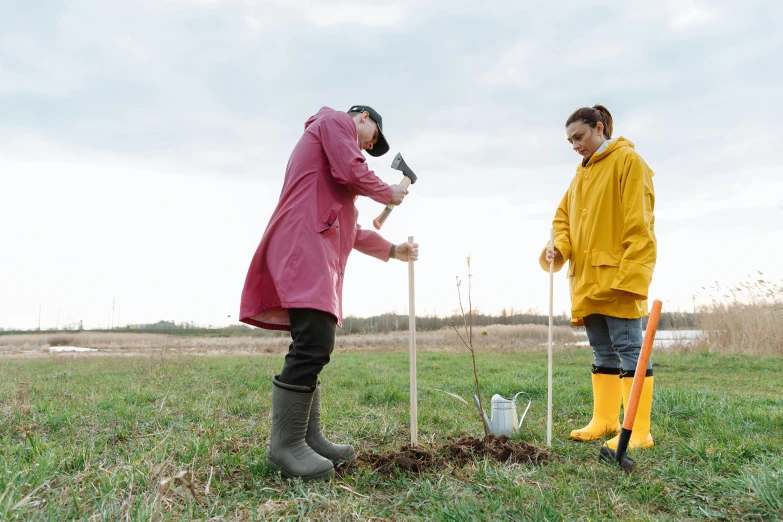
{"x": 607, "y": 396}
{"x": 640, "y": 436}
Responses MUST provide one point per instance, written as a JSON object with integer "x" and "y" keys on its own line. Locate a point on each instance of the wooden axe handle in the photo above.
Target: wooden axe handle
{"x": 381, "y": 219}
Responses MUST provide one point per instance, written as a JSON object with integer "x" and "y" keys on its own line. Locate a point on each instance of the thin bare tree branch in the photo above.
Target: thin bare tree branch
{"x": 469, "y": 343}
{"x": 460, "y": 337}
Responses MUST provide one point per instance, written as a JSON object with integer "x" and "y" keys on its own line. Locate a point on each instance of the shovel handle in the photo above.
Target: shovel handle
{"x": 641, "y": 365}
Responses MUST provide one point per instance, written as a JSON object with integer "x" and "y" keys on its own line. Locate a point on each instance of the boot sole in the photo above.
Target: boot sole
{"x": 342, "y": 459}
{"x": 636, "y": 446}
{"x": 588, "y": 437}
{"x": 341, "y": 462}
{"x": 306, "y": 478}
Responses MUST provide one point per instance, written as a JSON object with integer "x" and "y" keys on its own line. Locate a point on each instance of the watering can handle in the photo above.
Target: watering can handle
{"x": 529, "y": 402}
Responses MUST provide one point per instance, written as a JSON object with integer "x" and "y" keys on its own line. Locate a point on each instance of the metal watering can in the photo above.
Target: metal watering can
{"x": 504, "y": 414}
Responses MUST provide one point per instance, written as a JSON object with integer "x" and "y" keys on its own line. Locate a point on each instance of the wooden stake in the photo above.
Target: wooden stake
{"x": 412, "y": 350}
{"x": 551, "y": 318}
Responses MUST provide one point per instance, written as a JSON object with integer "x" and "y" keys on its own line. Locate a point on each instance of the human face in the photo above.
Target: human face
{"x": 584, "y": 139}
{"x": 367, "y": 131}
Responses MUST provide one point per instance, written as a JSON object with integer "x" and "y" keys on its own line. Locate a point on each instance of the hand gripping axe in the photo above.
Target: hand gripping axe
{"x": 620, "y": 456}
{"x": 408, "y": 178}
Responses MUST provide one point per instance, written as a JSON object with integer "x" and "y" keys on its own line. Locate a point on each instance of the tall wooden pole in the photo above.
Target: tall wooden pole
{"x": 412, "y": 350}
{"x": 551, "y": 320}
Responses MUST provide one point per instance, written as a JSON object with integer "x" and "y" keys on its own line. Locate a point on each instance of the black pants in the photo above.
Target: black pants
{"x": 312, "y": 334}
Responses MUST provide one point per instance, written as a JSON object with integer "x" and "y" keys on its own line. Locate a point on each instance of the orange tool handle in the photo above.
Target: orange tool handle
{"x": 641, "y": 365}
{"x": 381, "y": 219}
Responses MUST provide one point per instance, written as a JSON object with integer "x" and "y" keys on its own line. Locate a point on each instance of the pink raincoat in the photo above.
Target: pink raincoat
{"x": 301, "y": 260}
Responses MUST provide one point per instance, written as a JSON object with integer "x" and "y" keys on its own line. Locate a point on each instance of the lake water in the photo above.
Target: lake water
{"x": 664, "y": 338}
{"x": 71, "y": 349}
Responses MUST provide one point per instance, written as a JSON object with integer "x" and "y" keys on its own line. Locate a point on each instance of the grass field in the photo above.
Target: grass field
{"x": 100, "y": 438}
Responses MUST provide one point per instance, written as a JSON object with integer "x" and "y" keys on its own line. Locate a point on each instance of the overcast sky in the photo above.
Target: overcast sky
{"x": 143, "y": 144}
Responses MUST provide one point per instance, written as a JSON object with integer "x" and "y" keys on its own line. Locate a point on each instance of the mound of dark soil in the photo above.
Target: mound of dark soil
{"x": 456, "y": 453}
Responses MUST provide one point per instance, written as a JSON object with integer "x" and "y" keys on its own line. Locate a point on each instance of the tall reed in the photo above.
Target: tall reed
{"x": 744, "y": 318}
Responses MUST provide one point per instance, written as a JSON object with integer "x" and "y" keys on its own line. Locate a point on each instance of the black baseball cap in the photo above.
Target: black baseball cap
{"x": 381, "y": 147}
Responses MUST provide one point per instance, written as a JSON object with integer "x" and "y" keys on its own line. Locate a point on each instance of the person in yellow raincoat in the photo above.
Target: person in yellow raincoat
{"x": 604, "y": 227}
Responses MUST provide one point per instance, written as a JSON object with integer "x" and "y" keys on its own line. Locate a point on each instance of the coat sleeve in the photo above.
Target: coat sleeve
{"x": 346, "y": 161}
{"x": 562, "y": 227}
{"x": 372, "y": 244}
{"x": 638, "y": 237}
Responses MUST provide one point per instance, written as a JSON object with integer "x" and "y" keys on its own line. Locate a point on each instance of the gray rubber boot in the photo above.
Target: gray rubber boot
{"x": 288, "y": 451}
{"x": 337, "y": 453}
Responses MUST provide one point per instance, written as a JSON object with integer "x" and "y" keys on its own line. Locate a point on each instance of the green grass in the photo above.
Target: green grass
{"x": 93, "y": 438}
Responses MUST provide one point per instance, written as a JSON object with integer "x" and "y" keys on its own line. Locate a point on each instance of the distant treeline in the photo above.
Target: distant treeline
{"x": 381, "y": 324}
{"x": 393, "y": 322}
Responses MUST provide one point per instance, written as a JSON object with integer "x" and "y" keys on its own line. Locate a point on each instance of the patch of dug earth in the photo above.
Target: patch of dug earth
{"x": 457, "y": 453}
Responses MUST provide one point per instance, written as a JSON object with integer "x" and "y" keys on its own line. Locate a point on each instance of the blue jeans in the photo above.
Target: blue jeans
{"x": 616, "y": 342}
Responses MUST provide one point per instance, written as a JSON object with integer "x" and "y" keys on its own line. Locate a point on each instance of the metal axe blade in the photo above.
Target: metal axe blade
{"x": 399, "y": 164}
{"x": 408, "y": 179}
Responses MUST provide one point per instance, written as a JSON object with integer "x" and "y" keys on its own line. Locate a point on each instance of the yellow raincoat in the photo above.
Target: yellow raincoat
{"x": 605, "y": 228}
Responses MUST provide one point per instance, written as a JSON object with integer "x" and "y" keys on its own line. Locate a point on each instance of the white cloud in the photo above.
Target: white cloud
{"x": 680, "y": 15}
{"x": 513, "y": 68}
{"x": 353, "y": 13}
{"x": 692, "y": 16}
{"x": 743, "y": 195}
{"x": 152, "y": 138}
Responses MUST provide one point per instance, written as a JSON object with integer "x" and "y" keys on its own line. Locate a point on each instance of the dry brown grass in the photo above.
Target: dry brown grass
{"x": 124, "y": 343}
{"x": 744, "y": 328}
{"x": 495, "y": 337}
{"x": 746, "y": 318}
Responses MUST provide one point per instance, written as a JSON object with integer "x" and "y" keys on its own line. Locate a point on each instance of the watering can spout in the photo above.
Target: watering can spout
{"x": 482, "y": 413}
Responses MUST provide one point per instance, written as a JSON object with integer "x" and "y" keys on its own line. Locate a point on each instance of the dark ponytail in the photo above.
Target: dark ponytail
{"x": 592, "y": 116}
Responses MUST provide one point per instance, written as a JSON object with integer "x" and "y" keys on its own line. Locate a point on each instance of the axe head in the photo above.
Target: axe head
{"x": 400, "y": 165}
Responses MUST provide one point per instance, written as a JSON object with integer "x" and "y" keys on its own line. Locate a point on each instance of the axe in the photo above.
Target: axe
{"x": 408, "y": 179}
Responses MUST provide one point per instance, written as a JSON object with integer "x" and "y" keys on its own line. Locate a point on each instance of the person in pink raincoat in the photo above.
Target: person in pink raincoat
{"x": 295, "y": 279}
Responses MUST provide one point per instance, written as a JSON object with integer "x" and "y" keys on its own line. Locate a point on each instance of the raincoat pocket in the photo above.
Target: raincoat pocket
{"x": 606, "y": 257}
{"x": 604, "y": 267}
{"x": 329, "y": 219}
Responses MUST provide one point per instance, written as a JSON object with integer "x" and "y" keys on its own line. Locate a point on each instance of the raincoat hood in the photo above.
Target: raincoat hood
{"x": 320, "y": 114}
{"x": 607, "y": 148}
